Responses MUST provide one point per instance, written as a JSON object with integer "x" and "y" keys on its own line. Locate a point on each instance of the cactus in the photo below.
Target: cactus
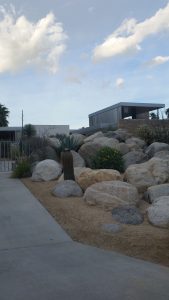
{"x": 67, "y": 163}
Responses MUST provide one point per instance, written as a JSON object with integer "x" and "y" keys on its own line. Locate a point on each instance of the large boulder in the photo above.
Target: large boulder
{"x": 67, "y": 188}
{"x": 156, "y": 191}
{"x": 156, "y": 147}
{"x": 79, "y": 138}
{"x": 46, "y": 170}
{"x": 105, "y": 141}
{"x": 134, "y": 157}
{"x": 121, "y": 134}
{"x": 78, "y": 161}
{"x": 46, "y": 152}
{"x": 54, "y": 142}
{"x": 136, "y": 141}
{"x": 153, "y": 172}
{"x": 164, "y": 154}
{"x": 158, "y": 212}
{"x": 50, "y": 153}
{"x": 110, "y": 194}
{"x": 93, "y": 136}
{"x": 122, "y": 147}
{"x": 127, "y": 215}
{"x": 134, "y": 147}
{"x": 89, "y": 177}
{"x": 77, "y": 172}
{"x": 88, "y": 151}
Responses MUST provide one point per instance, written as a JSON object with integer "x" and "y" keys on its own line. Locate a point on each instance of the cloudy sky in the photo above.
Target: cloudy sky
{"x": 61, "y": 60}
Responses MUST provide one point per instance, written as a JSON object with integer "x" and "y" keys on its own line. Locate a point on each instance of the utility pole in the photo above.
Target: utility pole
{"x": 22, "y": 122}
{"x": 22, "y": 136}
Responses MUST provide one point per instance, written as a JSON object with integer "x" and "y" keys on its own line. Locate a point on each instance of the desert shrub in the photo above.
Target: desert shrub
{"x": 32, "y": 145}
{"x": 108, "y": 158}
{"x": 22, "y": 169}
{"x": 15, "y": 151}
{"x": 146, "y": 133}
{"x": 161, "y": 134}
{"x": 156, "y": 134}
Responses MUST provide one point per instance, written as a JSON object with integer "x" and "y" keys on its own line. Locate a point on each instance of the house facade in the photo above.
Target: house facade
{"x": 13, "y": 134}
{"x": 113, "y": 114}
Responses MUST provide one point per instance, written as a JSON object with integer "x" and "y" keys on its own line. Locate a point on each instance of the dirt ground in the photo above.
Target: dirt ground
{"x": 84, "y": 224}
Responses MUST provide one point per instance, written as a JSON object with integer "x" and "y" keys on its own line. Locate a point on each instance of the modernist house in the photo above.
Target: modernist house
{"x": 113, "y": 114}
{"x": 13, "y": 134}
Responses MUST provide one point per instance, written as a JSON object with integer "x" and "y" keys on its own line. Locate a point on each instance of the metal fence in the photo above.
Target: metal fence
{"x": 8, "y": 154}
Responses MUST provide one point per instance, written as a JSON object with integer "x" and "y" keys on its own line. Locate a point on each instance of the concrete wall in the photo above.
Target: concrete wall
{"x": 47, "y": 130}
{"x": 132, "y": 125}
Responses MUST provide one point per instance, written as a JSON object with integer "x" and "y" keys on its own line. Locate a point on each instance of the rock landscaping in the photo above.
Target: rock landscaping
{"x": 146, "y": 173}
{"x": 67, "y": 188}
{"x": 158, "y": 212}
{"x": 121, "y": 194}
{"x": 127, "y": 215}
{"x": 109, "y": 194}
{"x": 46, "y": 170}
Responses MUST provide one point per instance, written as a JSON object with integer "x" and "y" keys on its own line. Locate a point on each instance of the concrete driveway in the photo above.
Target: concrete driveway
{"x": 39, "y": 261}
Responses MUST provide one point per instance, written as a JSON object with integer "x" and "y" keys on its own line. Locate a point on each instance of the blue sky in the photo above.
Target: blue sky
{"x": 62, "y": 60}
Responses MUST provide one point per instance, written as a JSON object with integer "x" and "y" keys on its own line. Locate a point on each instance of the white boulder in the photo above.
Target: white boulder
{"x": 67, "y": 188}
{"x": 78, "y": 160}
{"x": 158, "y": 212}
{"x": 153, "y": 172}
{"x": 110, "y": 194}
{"x": 46, "y": 170}
{"x": 156, "y": 191}
{"x": 156, "y": 147}
{"x": 93, "y": 136}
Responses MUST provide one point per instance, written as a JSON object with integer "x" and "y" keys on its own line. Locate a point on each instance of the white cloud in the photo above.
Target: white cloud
{"x": 158, "y": 60}
{"x": 24, "y": 43}
{"x": 130, "y": 34}
{"x": 119, "y": 83}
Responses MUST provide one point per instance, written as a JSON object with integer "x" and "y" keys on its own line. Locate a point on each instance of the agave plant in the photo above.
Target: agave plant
{"x": 67, "y": 143}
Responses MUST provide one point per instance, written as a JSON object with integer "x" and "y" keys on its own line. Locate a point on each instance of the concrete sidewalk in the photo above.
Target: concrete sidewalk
{"x": 39, "y": 261}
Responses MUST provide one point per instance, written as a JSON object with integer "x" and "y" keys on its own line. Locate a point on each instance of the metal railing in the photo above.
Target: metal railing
{"x": 8, "y": 155}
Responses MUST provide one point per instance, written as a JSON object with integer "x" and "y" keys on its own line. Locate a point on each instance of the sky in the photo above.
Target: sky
{"x": 61, "y": 60}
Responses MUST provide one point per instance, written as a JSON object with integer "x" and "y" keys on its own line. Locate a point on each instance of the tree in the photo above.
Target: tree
{"x": 29, "y": 130}
{"x": 4, "y": 113}
{"x": 167, "y": 113}
{"x": 153, "y": 116}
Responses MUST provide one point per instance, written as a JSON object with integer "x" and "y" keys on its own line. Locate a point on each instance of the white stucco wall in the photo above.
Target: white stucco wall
{"x": 48, "y": 130}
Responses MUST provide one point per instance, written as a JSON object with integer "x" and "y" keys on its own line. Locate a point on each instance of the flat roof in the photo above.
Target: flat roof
{"x": 10, "y": 128}
{"x": 149, "y": 106}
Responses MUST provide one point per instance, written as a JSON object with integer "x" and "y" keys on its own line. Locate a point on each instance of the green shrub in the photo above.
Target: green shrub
{"x": 22, "y": 169}
{"x": 108, "y": 158}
